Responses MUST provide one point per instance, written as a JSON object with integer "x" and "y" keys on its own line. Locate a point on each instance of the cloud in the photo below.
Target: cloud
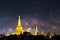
{"x": 54, "y": 27}
{"x": 29, "y": 29}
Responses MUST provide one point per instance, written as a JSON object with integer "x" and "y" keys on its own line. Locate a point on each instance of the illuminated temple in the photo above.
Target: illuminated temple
{"x": 19, "y": 30}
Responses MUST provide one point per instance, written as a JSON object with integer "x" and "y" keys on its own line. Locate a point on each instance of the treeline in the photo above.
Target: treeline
{"x": 29, "y": 36}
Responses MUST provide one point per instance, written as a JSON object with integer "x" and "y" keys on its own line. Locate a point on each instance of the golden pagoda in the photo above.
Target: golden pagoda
{"x": 43, "y": 33}
{"x": 19, "y": 30}
{"x": 36, "y": 32}
{"x": 7, "y": 34}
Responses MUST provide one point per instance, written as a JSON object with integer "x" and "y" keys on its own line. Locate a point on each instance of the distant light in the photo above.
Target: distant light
{"x": 29, "y": 29}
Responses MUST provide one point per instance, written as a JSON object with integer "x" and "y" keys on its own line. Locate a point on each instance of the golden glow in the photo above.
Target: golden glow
{"x": 19, "y": 30}
{"x": 43, "y": 33}
{"x": 36, "y": 32}
{"x": 50, "y": 37}
{"x": 52, "y": 34}
{"x": 7, "y": 34}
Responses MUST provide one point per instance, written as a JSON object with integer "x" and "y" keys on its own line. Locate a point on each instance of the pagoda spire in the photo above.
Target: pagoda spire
{"x": 19, "y": 29}
{"x": 36, "y": 31}
{"x": 19, "y": 21}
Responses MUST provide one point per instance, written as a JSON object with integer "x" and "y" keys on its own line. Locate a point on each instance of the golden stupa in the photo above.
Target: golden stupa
{"x": 43, "y": 33}
{"x": 19, "y": 30}
{"x": 36, "y": 32}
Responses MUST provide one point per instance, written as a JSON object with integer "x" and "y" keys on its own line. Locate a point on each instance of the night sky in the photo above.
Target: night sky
{"x": 45, "y": 13}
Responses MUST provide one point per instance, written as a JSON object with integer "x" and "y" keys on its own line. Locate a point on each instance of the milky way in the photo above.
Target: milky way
{"x": 44, "y": 13}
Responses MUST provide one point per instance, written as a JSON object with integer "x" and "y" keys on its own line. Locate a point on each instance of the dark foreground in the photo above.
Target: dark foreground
{"x": 28, "y": 36}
